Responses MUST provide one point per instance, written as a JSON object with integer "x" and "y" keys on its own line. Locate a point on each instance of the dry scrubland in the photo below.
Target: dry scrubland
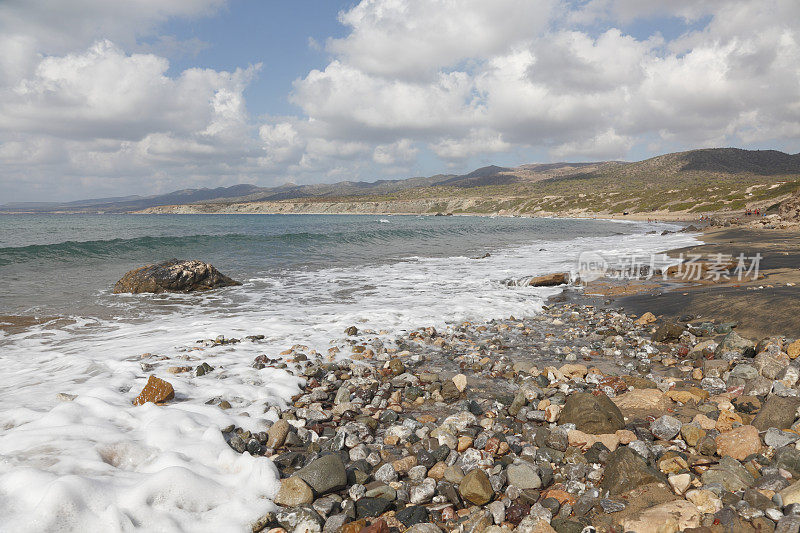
{"x": 680, "y": 185}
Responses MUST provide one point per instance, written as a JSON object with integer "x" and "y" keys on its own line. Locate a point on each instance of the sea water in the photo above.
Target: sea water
{"x": 99, "y": 463}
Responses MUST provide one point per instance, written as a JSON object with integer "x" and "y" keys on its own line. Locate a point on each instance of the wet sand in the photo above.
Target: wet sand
{"x": 764, "y": 307}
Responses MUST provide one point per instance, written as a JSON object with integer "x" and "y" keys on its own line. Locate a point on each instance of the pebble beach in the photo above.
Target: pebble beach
{"x": 578, "y": 419}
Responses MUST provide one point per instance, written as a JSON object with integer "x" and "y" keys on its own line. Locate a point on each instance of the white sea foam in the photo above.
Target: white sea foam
{"x": 99, "y": 463}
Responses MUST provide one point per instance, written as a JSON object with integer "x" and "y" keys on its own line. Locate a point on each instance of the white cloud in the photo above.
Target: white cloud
{"x": 607, "y": 144}
{"x": 86, "y": 92}
{"x": 104, "y": 93}
{"x": 477, "y": 142}
{"x": 413, "y": 39}
{"x": 402, "y": 151}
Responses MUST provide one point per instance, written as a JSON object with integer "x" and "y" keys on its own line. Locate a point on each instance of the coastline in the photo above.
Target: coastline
{"x": 487, "y": 439}
{"x": 429, "y": 207}
{"x": 478, "y": 426}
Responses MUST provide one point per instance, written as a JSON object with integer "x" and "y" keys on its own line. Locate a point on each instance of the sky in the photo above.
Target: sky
{"x": 103, "y": 98}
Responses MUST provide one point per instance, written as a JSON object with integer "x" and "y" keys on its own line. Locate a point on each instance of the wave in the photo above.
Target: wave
{"x": 105, "y": 248}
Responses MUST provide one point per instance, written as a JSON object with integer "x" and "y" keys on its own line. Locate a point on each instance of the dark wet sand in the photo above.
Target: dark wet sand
{"x": 773, "y": 309}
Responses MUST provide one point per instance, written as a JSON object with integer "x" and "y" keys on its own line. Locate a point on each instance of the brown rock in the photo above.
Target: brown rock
{"x": 592, "y": 414}
{"x": 541, "y": 526}
{"x": 378, "y": 526}
{"x": 704, "y": 422}
{"x": 276, "y": 434}
{"x": 460, "y": 381}
{"x": 791, "y": 494}
{"x": 173, "y": 276}
{"x": 726, "y": 420}
{"x": 464, "y": 443}
{"x": 549, "y": 280}
{"x": 475, "y": 487}
{"x": 156, "y": 391}
{"x": 669, "y": 517}
{"x": 777, "y": 412}
{"x": 693, "y": 394}
{"x": 738, "y": 443}
{"x": 793, "y": 350}
{"x": 667, "y": 332}
{"x": 572, "y": 370}
{"x": 692, "y": 433}
{"x": 647, "y": 318}
{"x": 642, "y": 399}
{"x": 402, "y": 466}
{"x": 293, "y": 492}
{"x": 354, "y": 527}
{"x": 437, "y": 471}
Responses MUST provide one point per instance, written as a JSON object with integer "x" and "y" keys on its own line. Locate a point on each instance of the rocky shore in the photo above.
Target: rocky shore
{"x": 582, "y": 418}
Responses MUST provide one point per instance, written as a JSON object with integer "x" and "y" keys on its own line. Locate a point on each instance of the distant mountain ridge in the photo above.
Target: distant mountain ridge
{"x": 134, "y": 203}
{"x": 687, "y": 171}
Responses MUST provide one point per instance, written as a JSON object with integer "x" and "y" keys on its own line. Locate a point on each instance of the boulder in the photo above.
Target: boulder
{"x": 156, "y": 390}
{"x": 739, "y": 443}
{"x": 523, "y": 476}
{"x": 173, "y": 276}
{"x": 626, "y": 470}
{"x": 592, "y": 414}
{"x": 300, "y": 519}
{"x": 667, "y": 332}
{"x": 293, "y": 492}
{"x": 276, "y": 435}
{"x": 647, "y": 318}
{"x": 733, "y": 342}
{"x": 549, "y": 280}
{"x": 669, "y": 517}
{"x": 777, "y": 412}
{"x": 476, "y": 488}
{"x": 325, "y": 474}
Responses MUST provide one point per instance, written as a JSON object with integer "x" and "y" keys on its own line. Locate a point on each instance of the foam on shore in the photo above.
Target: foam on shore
{"x": 99, "y": 463}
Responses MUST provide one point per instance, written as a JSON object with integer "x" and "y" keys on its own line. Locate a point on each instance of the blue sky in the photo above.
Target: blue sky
{"x": 105, "y": 98}
{"x": 274, "y": 33}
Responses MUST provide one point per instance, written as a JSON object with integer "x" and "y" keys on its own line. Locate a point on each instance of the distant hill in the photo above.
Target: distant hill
{"x": 133, "y": 203}
{"x": 705, "y": 180}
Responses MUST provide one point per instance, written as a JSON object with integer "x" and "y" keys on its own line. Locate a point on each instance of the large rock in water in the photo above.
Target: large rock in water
{"x": 592, "y": 414}
{"x": 173, "y": 276}
{"x": 549, "y": 280}
{"x": 156, "y": 391}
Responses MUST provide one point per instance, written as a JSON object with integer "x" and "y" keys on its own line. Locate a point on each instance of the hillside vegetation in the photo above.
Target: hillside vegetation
{"x": 694, "y": 182}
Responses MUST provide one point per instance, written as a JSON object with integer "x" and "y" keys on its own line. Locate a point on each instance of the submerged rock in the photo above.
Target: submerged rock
{"x": 173, "y": 276}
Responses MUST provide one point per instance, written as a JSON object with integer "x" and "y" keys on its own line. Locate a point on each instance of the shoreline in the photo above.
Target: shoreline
{"x": 769, "y": 305}
{"x": 489, "y": 439}
{"x": 481, "y": 426}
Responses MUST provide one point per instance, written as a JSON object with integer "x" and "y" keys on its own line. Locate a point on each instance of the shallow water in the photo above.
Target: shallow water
{"x": 98, "y": 462}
